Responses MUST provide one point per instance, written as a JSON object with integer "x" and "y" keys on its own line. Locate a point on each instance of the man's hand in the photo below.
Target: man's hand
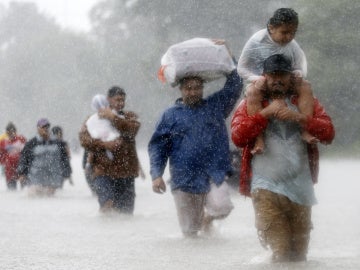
{"x": 130, "y": 116}
{"x": 106, "y": 113}
{"x": 273, "y": 109}
{"x": 158, "y": 185}
{"x": 222, "y": 42}
{"x": 287, "y": 114}
{"x": 260, "y": 83}
{"x": 22, "y": 179}
{"x": 113, "y": 145}
{"x": 219, "y": 41}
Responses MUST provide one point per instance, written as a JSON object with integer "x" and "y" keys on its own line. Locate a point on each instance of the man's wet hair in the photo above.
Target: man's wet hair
{"x": 115, "y": 91}
{"x": 185, "y": 79}
{"x": 284, "y": 16}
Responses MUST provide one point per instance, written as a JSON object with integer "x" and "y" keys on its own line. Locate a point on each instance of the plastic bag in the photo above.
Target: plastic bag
{"x": 195, "y": 57}
{"x": 218, "y": 202}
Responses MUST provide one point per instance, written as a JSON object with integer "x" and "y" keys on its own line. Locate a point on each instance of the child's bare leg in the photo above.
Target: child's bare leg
{"x": 306, "y": 106}
{"x": 254, "y": 98}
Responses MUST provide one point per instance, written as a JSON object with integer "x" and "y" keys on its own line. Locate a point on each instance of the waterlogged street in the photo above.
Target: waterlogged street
{"x": 67, "y": 232}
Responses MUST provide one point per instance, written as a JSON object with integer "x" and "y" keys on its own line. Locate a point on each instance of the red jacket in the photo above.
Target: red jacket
{"x": 245, "y": 129}
{"x": 10, "y": 151}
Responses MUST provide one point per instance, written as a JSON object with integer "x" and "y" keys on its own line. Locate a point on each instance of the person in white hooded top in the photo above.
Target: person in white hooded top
{"x": 277, "y": 38}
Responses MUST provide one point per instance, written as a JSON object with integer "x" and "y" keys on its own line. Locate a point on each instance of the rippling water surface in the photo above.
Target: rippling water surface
{"x": 67, "y": 232}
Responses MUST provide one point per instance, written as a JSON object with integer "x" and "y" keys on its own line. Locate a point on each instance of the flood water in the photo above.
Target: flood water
{"x": 68, "y": 232}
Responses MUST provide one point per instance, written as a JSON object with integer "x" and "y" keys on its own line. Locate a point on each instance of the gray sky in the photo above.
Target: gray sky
{"x": 68, "y": 13}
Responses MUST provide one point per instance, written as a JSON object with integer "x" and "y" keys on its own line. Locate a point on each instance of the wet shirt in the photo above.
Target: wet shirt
{"x": 283, "y": 168}
{"x": 10, "y": 150}
{"x": 44, "y": 162}
{"x": 195, "y": 140}
{"x": 259, "y": 47}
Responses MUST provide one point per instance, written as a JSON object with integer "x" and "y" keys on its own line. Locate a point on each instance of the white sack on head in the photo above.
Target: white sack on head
{"x": 99, "y": 102}
{"x": 196, "y": 57}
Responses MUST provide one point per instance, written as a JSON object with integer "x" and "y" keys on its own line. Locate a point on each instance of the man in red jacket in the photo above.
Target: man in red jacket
{"x": 10, "y": 150}
{"x": 280, "y": 180}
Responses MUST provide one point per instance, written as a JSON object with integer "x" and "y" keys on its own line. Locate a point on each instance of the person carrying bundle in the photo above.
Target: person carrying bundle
{"x": 192, "y": 135}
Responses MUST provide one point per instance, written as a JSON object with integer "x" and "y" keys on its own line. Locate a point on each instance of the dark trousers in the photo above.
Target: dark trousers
{"x": 120, "y": 192}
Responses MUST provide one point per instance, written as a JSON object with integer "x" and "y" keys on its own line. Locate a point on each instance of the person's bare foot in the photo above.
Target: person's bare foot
{"x": 259, "y": 145}
{"x": 307, "y": 137}
{"x": 207, "y": 225}
{"x": 107, "y": 207}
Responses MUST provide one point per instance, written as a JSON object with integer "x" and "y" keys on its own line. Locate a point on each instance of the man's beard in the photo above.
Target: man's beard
{"x": 278, "y": 90}
{"x": 193, "y": 102}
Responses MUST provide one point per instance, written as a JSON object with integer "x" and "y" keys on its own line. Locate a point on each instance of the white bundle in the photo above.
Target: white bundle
{"x": 196, "y": 57}
{"x": 100, "y": 128}
{"x": 99, "y": 102}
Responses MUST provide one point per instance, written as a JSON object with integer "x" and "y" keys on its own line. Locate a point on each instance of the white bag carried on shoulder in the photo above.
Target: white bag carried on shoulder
{"x": 195, "y": 57}
{"x": 218, "y": 201}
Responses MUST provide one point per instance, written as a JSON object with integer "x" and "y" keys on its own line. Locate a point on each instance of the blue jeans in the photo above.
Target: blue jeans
{"x": 120, "y": 191}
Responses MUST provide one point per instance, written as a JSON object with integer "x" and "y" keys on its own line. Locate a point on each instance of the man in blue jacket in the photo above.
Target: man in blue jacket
{"x": 193, "y": 136}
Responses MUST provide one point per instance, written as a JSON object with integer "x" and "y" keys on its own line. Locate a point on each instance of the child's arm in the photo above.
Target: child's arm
{"x": 305, "y": 104}
{"x": 254, "y": 96}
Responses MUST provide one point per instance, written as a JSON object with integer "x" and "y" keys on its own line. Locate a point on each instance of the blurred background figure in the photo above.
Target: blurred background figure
{"x": 10, "y": 149}
{"x": 57, "y": 134}
{"x": 86, "y": 165}
{"x": 44, "y": 162}
{"x": 2, "y": 137}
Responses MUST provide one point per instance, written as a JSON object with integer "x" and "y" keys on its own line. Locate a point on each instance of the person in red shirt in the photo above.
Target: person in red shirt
{"x": 280, "y": 179}
{"x": 10, "y": 151}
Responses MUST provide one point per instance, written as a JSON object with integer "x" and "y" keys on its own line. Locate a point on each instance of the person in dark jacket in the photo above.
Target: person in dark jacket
{"x": 57, "y": 134}
{"x": 114, "y": 175}
{"x": 44, "y": 162}
{"x": 193, "y": 136}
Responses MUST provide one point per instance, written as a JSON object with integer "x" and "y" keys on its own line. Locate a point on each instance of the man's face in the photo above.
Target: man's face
{"x": 283, "y": 34}
{"x": 192, "y": 91}
{"x": 44, "y": 131}
{"x": 117, "y": 102}
{"x": 278, "y": 83}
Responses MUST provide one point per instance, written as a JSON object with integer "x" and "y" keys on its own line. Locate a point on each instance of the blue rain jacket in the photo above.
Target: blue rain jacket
{"x": 195, "y": 140}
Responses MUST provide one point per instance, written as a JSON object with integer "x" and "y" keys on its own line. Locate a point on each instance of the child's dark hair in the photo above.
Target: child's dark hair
{"x": 284, "y": 16}
{"x": 56, "y": 130}
{"x": 116, "y": 90}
